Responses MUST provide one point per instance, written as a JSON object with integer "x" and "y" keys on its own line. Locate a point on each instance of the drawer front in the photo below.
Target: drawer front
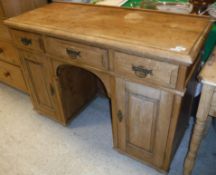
{"x": 9, "y": 53}
{"x": 29, "y": 41}
{"x": 146, "y": 69}
{"x": 78, "y": 53}
{"x": 12, "y": 76}
{"x": 4, "y": 33}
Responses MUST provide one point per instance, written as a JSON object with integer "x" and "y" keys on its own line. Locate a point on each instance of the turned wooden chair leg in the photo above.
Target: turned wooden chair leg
{"x": 208, "y": 124}
{"x": 198, "y": 131}
{"x": 199, "y": 128}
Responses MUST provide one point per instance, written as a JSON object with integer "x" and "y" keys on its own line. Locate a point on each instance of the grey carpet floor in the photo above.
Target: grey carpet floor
{"x": 31, "y": 144}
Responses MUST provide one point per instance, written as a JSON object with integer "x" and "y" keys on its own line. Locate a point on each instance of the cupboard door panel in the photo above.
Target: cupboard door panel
{"x": 143, "y": 127}
{"x": 40, "y": 84}
{"x": 138, "y": 117}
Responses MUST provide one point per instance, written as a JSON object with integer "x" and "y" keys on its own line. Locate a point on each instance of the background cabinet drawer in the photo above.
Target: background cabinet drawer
{"x": 4, "y": 33}
{"x": 79, "y": 53}
{"x": 146, "y": 69}
{"x": 1, "y": 11}
{"x": 29, "y": 41}
{"x": 9, "y": 53}
{"x": 12, "y": 76}
{"x": 16, "y": 7}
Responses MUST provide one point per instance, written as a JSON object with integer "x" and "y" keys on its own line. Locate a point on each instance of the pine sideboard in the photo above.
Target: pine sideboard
{"x": 144, "y": 59}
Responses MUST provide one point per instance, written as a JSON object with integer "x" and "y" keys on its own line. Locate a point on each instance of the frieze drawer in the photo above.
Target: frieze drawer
{"x": 78, "y": 53}
{"x": 146, "y": 69}
{"x": 26, "y": 40}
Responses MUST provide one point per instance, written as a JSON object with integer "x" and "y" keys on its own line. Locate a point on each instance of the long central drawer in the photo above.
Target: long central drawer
{"x": 77, "y": 53}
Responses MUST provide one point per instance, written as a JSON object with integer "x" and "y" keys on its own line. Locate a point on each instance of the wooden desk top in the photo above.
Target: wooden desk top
{"x": 170, "y": 37}
{"x": 208, "y": 74}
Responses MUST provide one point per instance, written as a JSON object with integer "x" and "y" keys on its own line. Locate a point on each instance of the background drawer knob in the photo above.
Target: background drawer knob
{"x": 26, "y": 41}
{"x": 7, "y": 74}
{"x": 141, "y": 72}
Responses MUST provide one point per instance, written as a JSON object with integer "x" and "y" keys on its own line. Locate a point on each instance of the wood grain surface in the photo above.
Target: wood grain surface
{"x": 167, "y": 36}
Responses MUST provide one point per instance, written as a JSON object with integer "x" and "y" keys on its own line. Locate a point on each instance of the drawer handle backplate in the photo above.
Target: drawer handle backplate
{"x": 141, "y": 72}
{"x": 26, "y": 41}
{"x": 73, "y": 53}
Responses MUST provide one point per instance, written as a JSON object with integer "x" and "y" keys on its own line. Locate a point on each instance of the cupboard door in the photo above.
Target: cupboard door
{"x": 144, "y": 115}
{"x": 40, "y": 84}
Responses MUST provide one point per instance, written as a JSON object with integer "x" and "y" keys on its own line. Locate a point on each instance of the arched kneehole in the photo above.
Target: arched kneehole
{"x": 77, "y": 88}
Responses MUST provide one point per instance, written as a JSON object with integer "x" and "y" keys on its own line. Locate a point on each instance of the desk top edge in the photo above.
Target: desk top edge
{"x": 24, "y": 23}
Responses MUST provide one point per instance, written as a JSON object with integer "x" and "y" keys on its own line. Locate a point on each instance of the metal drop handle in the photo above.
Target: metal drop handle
{"x": 73, "y": 53}
{"x": 142, "y": 72}
{"x": 26, "y": 41}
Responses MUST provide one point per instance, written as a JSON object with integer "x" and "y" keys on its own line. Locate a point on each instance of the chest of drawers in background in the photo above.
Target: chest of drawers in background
{"x": 10, "y": 70}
